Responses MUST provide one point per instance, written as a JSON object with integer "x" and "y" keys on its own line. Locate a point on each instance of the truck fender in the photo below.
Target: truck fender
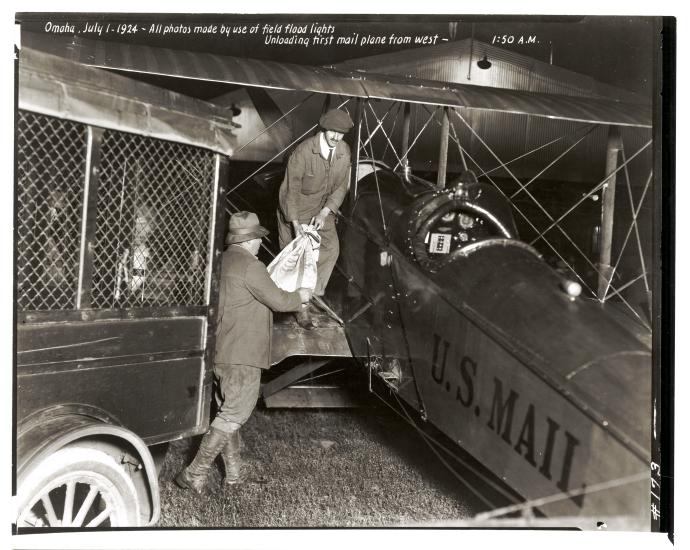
{"x": 47, "y": 431}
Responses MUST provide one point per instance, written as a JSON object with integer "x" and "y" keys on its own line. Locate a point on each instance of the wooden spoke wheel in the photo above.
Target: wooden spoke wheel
{"x": 77, "y": 487}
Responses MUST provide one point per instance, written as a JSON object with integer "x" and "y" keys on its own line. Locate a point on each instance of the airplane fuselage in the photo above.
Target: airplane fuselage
{"x": 542, "y": 387}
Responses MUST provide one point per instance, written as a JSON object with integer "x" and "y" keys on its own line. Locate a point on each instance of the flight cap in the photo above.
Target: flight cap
{"x": 336, "y": 120}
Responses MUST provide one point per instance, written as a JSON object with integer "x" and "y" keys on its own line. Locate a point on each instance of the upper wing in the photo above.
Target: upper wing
{"x": 290, "y": 76}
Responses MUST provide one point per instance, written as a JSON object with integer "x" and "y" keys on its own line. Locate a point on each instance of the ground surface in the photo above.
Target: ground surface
{"x": 321, "y": 468}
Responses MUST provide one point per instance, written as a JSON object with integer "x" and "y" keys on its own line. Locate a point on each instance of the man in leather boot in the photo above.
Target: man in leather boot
{"x": 246, "y": 302}
{"x": 232, "y": 459}
{"x": 194, "y": 476}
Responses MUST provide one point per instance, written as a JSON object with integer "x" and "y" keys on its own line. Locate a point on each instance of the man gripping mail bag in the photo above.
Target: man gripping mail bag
{"x": 314, "y": 187}
{"x": 248, "y": 298}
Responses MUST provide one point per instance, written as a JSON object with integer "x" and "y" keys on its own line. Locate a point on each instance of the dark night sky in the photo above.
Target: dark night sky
{"x": 615, "y": 50}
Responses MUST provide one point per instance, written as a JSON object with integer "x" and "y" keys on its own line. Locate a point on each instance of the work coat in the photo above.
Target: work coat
{"x": 245, "y": 319}
{"x": 312, "y": 182}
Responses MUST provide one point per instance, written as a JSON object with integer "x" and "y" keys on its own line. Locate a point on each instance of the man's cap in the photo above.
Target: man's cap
{"x": 244, "y": 226}
{"x": 336, "y": 120}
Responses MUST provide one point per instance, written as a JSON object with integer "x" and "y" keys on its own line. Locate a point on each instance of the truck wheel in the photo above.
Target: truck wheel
{"x": 77, "y": 487}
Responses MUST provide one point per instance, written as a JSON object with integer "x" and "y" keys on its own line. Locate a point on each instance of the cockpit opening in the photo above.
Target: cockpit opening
{"x": 456, "y": 229}
{"x": 450, "y": 223}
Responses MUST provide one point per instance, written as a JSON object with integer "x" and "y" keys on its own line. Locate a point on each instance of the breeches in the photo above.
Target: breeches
{"x": 236, "y": 393}
{"x": 328, "y": 250}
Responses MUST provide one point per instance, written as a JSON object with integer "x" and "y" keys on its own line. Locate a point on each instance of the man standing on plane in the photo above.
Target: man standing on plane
{"x": 314, "y": 187}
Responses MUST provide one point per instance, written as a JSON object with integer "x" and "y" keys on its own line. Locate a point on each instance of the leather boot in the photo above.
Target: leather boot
{"x": 304, "y": 319}
{"x": 194, "y": 476}
{"x": 232, "y": 459}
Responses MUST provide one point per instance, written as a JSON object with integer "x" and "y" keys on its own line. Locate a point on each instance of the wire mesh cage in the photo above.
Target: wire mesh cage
{"x": 153, "y": 218}
{"x": 51, "y": 164}
{"x": 153, "y": 215}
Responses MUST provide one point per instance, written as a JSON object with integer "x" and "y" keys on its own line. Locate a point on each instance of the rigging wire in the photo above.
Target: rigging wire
{"x": 612, "y": 484}
{"x": 312, "y": 378}
{"x": 429, "y": 440}
{"x": 634, "y": 223}
{"x": 557, "y": 222}
{"x": 419, "y": 134}
{"x": 406, "y": 339}
{"x": 278, "y": 154}
{"x": 539, "y": 205}
{"x": 596, "y": 188}
{"x": 623, "y": 287}
{"x": 378, "y": 127}
{"x": 376, "y": 177}
{"x": 434, "y": 444}
{"x": 528, "y": 221}
{"x": 383, "y": 130}
{"x": 585, "y": 197}
{"x": 392, "y": 130}
{"x": 538, "y": 148}
{"x": 257, "y": 136}
{"x": 520, "y": 212}
{"x": 590, "y": 129}
{"x": 632, "y": 208}
{"x": 559, "y": 157}
{"x": 457, "y": 142}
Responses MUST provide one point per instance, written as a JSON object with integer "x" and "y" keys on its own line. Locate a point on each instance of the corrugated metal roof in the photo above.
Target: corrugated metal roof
{"x": 450, "y": 62}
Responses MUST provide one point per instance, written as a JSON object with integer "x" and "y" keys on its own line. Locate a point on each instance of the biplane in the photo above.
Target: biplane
{"x": 439, "y": 298}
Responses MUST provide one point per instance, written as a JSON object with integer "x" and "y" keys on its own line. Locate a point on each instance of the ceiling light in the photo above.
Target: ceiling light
{"x": 484, "y": 63}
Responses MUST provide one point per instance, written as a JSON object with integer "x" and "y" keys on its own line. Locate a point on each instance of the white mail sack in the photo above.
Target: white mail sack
{"x": 295, "y": 266}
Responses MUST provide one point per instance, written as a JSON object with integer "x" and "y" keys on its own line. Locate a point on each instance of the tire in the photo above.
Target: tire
{"x": 77, "y": 487}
